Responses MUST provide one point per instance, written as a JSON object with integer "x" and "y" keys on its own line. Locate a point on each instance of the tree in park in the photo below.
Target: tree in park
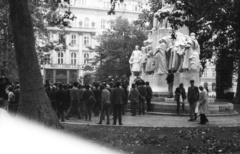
{"x": 115, "y": 48}
{"x": 34, "y": 102}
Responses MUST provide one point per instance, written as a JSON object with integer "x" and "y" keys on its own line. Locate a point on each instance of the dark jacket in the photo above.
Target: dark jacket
{"x": 117, "y": 96}
{"x": 142, "y": 92}
{"x": 149, "y": 92}
{"x": 179, "y": 92}
{"x": 170, "y": 78}
{"x": 61, "y": 97}
{"x": 193, "y": 94}
{"x": 134, "y": 95}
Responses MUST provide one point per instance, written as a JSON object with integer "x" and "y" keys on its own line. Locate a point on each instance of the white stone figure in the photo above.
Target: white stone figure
{"x": 160, "y": 58}
{"x": 135, "y": 61}
{"x": 168, "y": 8}
{"x": 144, "y": 55}
{"x": 191, "y": 57}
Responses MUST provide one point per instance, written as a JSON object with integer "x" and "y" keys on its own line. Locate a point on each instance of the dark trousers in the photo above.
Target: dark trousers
{"x": 74, "y": 109}
{"x": 123, "y": 109}
{"x": 170, "y": 89}
{"x": 60, "y": 111}
{"x": 192, "y": 106}
{"x": 178, "y": 106}
{"x": 88, "y": 111}
{"x": 141, "y": 108}
{"x": 97, "y": 108}
{"x": 82, "y": 109}
{"x": 134, "y": 108}
{"x": 105, "y": 109}
{"x": 117, "y": 108}
{"x": 148, "y": 104}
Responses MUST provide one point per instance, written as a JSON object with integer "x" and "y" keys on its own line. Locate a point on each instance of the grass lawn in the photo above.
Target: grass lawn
{"x": 142, "y": 140}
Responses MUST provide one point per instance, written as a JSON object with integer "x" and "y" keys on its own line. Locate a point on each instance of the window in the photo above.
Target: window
{"x": 73, "y": 58}
{"x": 86, "y": 40}
{"x": 80, "y": 24}
{"x": 205, "y": 73}
{"x": 86, "y": 57}
{"x": 213, "y": 72}
{"x": 86, "y": 23}
{"x": 93, "y": 24}
{"x": 81, "y": 2}
{"x": 103, "y": 24}
{"x": 60, "y": 58}
{"x": 73, "y": 39}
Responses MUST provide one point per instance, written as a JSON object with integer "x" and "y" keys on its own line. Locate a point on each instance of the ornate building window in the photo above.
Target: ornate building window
{"x": 86, "y": 40}
{"x": 86, "y": 23}
{"x": 73, "y": 58}
{"x": 74, "y": 39}
{"x": 60, "y": 57}
{"x": 86, "y": 57}
{"x": 80, "y": 24}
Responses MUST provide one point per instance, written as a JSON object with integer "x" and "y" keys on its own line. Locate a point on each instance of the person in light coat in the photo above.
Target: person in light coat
{"x": 203, "y": 106}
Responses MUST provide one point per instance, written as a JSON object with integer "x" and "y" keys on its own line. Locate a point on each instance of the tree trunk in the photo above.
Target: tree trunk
{"x": 224, "y": 71}
{"x": 34, "y": 102}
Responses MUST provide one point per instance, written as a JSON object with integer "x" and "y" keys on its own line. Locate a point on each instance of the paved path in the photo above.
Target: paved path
{"x": 163, "y": 121}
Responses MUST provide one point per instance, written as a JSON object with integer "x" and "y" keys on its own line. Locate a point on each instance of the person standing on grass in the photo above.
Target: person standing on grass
{"x": 89, "y": 101}
{"x": 193, "y": 96}
{"x": 142, "y": 97}
{"x": 203, "y": 106}
{"x": 180, "y": 96}
{"x": 74, "y": 96}
{"x": 134, "y": 99}
{"x": 149, "y": 96}
{"x": 117, "y": 98}
{"x": 105, "y": 104}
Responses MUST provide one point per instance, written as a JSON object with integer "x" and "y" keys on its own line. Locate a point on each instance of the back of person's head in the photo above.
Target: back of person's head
{"x": 133, "y": 85}
{"x": 201, "y": 88}
{"x": 10, "y": 88}
{"x": 118, "y": 84}
{"x": 181, "y": 85}
{"x": 87, "y": 86}
{"x": 143, "y": 83}
{"x": 75, "y": 84}
{"x": 147, "y": 83}
{"x": 60, "y": 86}
{"x": 191, "y": 81}
{"x": 102, "y": 87}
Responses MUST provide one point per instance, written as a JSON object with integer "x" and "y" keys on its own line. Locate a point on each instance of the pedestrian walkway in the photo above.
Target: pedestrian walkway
{"x": 163, "y": 121}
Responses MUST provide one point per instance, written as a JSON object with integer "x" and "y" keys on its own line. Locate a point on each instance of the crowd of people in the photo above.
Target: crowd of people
{"x": 99, "y": 99}
{"x": 107, "y": 98}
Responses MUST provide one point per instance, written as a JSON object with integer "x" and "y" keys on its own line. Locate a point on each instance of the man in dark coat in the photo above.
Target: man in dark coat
{"x": 170, "y": 80}
{"x": 117, "y": 98}
{"x": 193, "y": 96}
{"x": 149, "y": 96}
{"x": 180, "y": 96}
{"x": 61, "y": 95}
{"x": 142, "y": 96}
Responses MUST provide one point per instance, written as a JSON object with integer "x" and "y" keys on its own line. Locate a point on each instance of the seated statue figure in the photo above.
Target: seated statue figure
{"x": 191, "y": 56}
{"x": 160, "y": 58}
{"x": 150, "y": 60}
{"x": 163, "y": 23}
{"x": 135, "y": 61}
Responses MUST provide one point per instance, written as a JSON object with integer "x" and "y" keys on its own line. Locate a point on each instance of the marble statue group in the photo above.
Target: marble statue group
{"x": 169, "y": 55}
{"x": 177, "y": 55}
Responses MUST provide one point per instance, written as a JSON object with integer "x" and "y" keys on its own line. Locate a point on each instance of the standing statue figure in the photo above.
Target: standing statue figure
{"x": 150, "y": 59}
{"x": 168, "y": 8}
{"x": 192, "y": 51}
{"x": 135, "y": 61}
{"x": 144, "y": 55}
{"x": 160, "y": 58}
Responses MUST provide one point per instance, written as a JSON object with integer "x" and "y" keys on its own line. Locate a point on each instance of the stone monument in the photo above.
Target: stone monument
{"x": 162, "y": 54}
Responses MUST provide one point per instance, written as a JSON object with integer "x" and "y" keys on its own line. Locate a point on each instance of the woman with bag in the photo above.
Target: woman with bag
{"x": 203, "y": 105}
{"x": 180, "y": 97}
{"x": 89, "y": 99}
